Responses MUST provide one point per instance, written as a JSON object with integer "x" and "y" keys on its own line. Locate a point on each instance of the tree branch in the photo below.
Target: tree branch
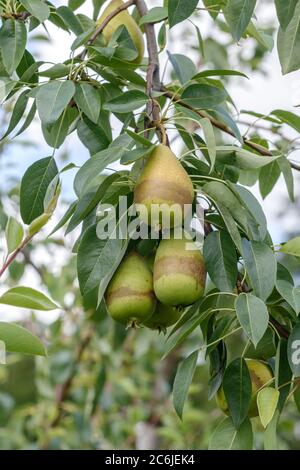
{"x": 14, "y": 254}
{"x": 101, "y": 26}
{"x": 222, "y": 127}
{"x": 153, "y": 73}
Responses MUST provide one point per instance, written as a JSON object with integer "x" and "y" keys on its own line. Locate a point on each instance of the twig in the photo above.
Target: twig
{"x": 101, "y": 27}
{"x": 14, "y": 254}
{"x": 153, "y": 74}
{"x": 222, "y": 127}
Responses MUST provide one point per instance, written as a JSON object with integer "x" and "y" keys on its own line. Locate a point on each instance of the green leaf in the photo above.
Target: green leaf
{"x": 6, "y": 86}
{"x": 221, "y": 260}
{"x": 237, "y": 389}
{"x": 94, "y": 166}
{"x": 88, "y": 100}
{"x": 38, "y": 8}
{"x": 128, "y": 101}
{"x": 56, "y": 71}
{"x": 238, "y": 14}
{"x": 28, "y": 120}
{"x": 180, "y": 10}
{"x": 292, "y": 247}
{"x": 25, "y": 297}
{"x": 265, "y": 40}
{"x": 92, "y": 136}
{"x": 89, "y": 201}
{"x": 70, "y": 19}
{"x": 183, "y": 66}
{"x": 270, "y": 437}
{"x": 34, "y": 185}
{"x": 17, "y": 113}
{"x": 266, "y": 347}
{"x": 290, "y": 293}
{"x": 17, "y": 339}
{"x": 96, "y": 259}
{"x": 261, "y": 267}
{"x": 294, "y": 350}
{"x": 283, "y": 373}
{"x": 268, "y": 177}
{"x": 183, "y": 380}
{"x": 134, "y": 155}
{"x": 14, "y": 234}
{"x": 210, "y": 139}
{"x": 55, "y": 134}
{"x": 13, "y": 37}
{"x": 247, "y": 160}
{"x": 289, "y": 118}
{"x": 253, "y": 316}
{"x": 267, "y": 400}
{"x": 203, "y": 96}
{"x": 227, "y": 437}
{"x": 288, "y": 44}
{"x": 155, "y": 15}
{"x": 74, "y": 4}
{"x": 52, "y": 98}
{"x": 218, "y": 73}
{"x": 285, "y": 11}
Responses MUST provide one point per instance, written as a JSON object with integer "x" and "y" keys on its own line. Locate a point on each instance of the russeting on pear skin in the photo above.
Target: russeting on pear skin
{"x": 164, "y": 183}
{"x": 179, "y": 272}
{"x": 123, "y": 19}
{"x": 261, "y": 375}
{"x": 129, "y": 297}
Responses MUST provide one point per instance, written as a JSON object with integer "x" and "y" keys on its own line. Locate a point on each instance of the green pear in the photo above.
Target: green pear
{"x": 261, "y": 375}
{"x": 123, "y": 19}
{"x": 179, "y": 272}
{"x": 163, "y": 317}
{"x": 129, "y": 296}
{"x": 164, "y": 183}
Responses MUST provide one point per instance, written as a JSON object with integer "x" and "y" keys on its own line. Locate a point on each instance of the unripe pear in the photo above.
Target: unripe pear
{"x": 179, "y": 272}
{"x": 129, "y": 297}
{"x": 261, "y": 375}
{"x": 164, "y": 183}
{"x": 125, "y": 19}
{"x": 163, "y": 317}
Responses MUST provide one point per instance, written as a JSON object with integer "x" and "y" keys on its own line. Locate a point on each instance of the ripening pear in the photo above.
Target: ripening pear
{"x": 179, "y": 272}
{"x": 123, "y": 19}
{"x": 164, "y": 183}
{"x": 129, "y": 297}
{"x": 261, "y": 375}
{"x": 163, "y": 317}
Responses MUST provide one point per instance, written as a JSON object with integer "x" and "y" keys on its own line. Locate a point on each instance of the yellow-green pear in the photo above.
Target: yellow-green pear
{"x": 163, "y": 317}
{"x": 179, "y": 272}
{"x": 261, "y": 375}
{"x": 164, "y": 183}
{"x": 123, "y": 19}
{"x": 129, "y": 297}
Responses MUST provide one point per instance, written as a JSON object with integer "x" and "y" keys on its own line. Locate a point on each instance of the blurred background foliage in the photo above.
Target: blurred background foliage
{"x": 102, "y": 387}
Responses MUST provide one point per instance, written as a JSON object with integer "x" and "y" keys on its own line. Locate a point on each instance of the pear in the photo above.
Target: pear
{"x": 123, "y": 19}
{"x": 129, "y": 296}
{"x": 163, "y": 317}
{"x": 163, "y": 182}
{"x": 179, "y": 272}
{"x": 261, "y": 376}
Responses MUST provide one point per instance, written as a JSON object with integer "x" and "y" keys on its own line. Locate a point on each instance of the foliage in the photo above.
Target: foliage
{"x": 250, "y": 307}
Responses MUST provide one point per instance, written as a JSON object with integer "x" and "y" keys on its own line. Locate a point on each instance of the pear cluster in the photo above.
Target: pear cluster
{"x": 154, "y": 295}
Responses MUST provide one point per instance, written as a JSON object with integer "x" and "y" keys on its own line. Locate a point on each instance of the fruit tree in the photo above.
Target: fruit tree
{"x": 170, "y": 238}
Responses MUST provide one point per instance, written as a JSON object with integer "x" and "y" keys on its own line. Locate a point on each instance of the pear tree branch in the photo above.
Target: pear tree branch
{"x": 153, "y": 74}
{"x": 222, "y": 127}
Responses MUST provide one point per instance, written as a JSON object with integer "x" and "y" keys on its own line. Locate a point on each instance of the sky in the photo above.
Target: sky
{"x": 260, "y": 92}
